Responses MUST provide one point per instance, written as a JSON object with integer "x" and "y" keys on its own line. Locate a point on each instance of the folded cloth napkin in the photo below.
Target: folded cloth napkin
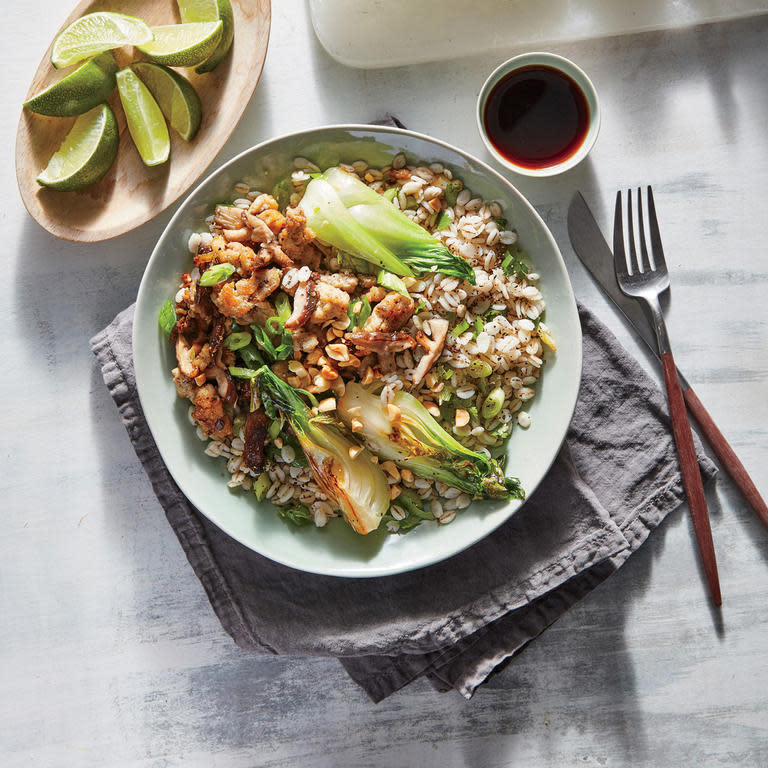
{"x": 615, "y": 479}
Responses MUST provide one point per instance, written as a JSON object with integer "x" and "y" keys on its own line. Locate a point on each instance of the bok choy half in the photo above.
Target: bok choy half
{"x": 357, "y": 485}
{"x": 416, "y": 441}
{"x": 348, "y": 214}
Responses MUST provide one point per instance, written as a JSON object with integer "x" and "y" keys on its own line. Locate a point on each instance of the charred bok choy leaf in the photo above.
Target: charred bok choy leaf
{"x": 416, "y": 441}
{"x": 349, "y": 215}
{"x": 356, "y": 485}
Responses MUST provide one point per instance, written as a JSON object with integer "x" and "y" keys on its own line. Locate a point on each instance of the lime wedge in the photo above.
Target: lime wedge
{"x": 175, "y": 96}
{"x": 183, "y": 45}
{"x": 95, "y": 33}
{"x": 86, "y": 153}
{"x": 210, "y": 10}
{"x": 145, "y": 120}
{"x": 81, "y": 90}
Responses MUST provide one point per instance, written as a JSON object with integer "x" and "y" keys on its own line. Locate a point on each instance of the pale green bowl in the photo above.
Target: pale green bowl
{"x": 335, "y": 550}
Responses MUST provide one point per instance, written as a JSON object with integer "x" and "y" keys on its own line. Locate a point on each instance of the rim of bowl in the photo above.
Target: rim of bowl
{"x": 567, "y": 67}
{"x": 140, "y": 374}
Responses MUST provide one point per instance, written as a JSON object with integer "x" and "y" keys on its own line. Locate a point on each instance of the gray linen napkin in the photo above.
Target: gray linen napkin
{"x": 615, "y": 479}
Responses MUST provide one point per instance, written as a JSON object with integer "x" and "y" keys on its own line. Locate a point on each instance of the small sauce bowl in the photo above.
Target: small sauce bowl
{"x": 538, "y": 114}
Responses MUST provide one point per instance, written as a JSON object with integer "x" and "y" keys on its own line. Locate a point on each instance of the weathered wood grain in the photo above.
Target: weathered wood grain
{"x": 109, "y": 652}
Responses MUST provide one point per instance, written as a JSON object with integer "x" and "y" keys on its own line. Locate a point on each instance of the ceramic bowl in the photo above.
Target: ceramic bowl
{"x": 571, "y": 70}
{"x": 336, "y": 549}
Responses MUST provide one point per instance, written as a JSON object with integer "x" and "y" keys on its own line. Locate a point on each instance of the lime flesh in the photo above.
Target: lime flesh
{"x": 145, "y": 120}
{"x": 210, "y": 10}
{"x": 90, "y": 84}
{"x": 183, "y": 45}
{"x": 87, "y": 152}
{"x": 95, "y": 33}
{"x": 175, "y": 96}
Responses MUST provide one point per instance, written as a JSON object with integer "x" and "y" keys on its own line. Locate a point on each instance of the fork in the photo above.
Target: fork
{"x": 646, "y": 281}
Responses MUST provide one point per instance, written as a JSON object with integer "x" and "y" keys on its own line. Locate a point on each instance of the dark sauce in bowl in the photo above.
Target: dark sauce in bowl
{"x": 536, "y": 117}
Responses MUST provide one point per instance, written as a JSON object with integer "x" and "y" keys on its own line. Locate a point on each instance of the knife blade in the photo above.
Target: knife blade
{"x": 595, "y": 254}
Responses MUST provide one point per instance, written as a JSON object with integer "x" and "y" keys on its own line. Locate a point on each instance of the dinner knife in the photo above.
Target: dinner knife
{"x": 597, "y": 257}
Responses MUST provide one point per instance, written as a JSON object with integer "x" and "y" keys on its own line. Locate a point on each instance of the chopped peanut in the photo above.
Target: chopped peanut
{"x": 462, "y": 417}
{"x": 329, "y": 404}
{"x": 355, "y": 451}
{"x": 394, "y": 491}
{"x": 391, "y": 469}
{"x": 338, "y": 352}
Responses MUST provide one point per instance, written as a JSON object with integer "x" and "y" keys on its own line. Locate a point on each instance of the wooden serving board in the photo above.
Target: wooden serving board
{"x": 131, "y": 193}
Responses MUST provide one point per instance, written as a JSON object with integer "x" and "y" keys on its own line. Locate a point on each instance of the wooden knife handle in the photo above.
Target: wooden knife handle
{"x": 726, "y": 455}
{"x": 689, "y": 466}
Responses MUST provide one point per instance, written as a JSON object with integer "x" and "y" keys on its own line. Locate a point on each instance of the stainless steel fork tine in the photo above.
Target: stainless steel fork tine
{"x": 658, "y": 252}
{"x": 634, "y": 264}
{"x": 619, "y": 255}
{"x": 641, "y": 227}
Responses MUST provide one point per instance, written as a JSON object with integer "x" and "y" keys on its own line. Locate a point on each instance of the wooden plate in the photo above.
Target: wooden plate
{"x": 131, "y": 194}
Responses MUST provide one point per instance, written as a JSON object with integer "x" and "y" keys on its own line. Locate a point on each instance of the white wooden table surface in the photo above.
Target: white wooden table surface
{"x": 112, "y": 656}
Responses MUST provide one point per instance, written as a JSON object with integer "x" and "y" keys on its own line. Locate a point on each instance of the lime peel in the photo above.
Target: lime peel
{"x": 86, "y": 154}
{"x": 183, "y": 45}
{"x": 95, "y": 33}
{"x": 78, "y": 92}
{"x": 210, "y": 10}
{"x": 174, "y": 94}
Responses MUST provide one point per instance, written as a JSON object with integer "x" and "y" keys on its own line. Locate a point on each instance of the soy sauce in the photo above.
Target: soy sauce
{"x": 536, "y": 117}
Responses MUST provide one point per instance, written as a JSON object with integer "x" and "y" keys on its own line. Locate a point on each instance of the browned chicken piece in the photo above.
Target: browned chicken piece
{"x": 254, "y": 437}
{"x": 209, "y": 349}
{"x": 332, "y": 303}
{"x": 380, "y": 341}
{"x": 209, "y": 412}
{"x": 390, "y": 314}
{"x": 344, "y": 281}
{"x": 185, "y": 386}
{"x": 260, "y": 232}
{"x": 238, "y": 298}
{"x": 227, "y": 217}
{"x": 375, "y": 294}
{"x": 241, "y": 256}
{"x": 185, "y": 355}
{"x": 432, "y": 347}
{"x": 305, "y": 302}
{"x": 274, "y": 220}
{"x": 296, "y": 239}
{"x": 276, "y": 254}
{"x": 263, "y": 203}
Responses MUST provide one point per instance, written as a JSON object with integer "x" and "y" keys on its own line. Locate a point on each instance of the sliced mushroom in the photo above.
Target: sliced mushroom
{"x": 380, "y": 341}
{"x": 304, "y": 303}
{"x": 224, "y": 384}
{"x": 432, "y": 347}
{"x": 254, "y": 437}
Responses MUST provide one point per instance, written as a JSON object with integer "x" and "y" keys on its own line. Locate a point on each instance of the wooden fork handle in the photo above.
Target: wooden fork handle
{"x": 726, "y": 455}
{"x": 689, "y": 466}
